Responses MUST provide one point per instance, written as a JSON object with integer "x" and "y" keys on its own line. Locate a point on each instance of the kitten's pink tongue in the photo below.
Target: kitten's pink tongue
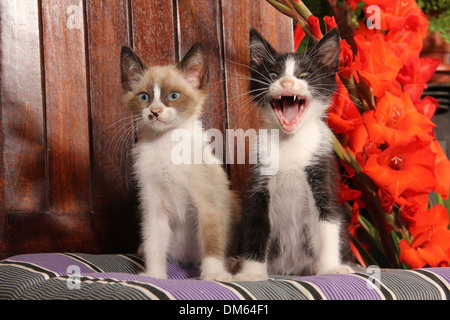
{"x": 290, "y": 110}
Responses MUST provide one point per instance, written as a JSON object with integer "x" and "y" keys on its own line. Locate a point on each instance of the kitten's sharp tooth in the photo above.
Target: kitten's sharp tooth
{"x": 279, "y": 97}
{"x": 294, "y": 97}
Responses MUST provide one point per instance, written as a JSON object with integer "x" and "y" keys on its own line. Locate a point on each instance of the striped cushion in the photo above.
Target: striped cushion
{"x": 51, "y": 276}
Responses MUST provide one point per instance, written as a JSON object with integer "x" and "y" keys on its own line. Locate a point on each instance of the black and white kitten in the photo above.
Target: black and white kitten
{"x": 291, "y": 222}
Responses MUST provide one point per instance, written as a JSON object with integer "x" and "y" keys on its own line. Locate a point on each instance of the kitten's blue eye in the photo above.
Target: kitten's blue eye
{"x": 174, "y": 96}
{"x": 144, "y": 97}
{"x": 304, "y": 74}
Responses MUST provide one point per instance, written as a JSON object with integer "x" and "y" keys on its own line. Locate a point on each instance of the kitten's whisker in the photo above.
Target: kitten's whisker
{"x": 128, "y": 118}
{"x": 256, "y": 97}
{"x": 249, "y": 68}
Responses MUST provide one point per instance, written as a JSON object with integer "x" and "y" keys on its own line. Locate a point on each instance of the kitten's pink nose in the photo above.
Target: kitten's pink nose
{"x": 287, "y": 84}
{"x": 156, "y": 111}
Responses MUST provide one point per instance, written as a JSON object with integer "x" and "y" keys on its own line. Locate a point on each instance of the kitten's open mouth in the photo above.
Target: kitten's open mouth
{"x": 289, "y": 110}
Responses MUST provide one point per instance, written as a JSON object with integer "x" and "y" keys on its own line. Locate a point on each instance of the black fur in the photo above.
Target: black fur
{"x": 254, "y": 229}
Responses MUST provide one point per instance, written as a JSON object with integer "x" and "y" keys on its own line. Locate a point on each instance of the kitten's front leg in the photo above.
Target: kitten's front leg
{"x": 329, "y": 255}
{"x": 212, "y": 234}
{"x": 254, "y": 233}
{"x": 156, "y": 235}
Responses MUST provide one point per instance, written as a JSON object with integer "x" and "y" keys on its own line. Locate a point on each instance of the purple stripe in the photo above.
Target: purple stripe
{"x": 179, "y": 273}
{"x": 179, "y": 289}
{"x": 343, "y": 287}
{"x": 52, "y": 261}
{"x": 442, "y": 272}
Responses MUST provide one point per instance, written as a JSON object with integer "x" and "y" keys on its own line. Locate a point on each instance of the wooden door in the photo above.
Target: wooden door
{"x": 65, "y": 177}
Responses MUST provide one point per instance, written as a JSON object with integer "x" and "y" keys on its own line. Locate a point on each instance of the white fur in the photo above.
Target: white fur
{"x": 329, "y": 259}
{"x": 292, "y": 206}
{"x": 290, "y": 67}
{"x": 252, "y": 271}
{"x": 214, "y": 269}
{"x": 168, "y": 227}
{"x": 156, "y": 92}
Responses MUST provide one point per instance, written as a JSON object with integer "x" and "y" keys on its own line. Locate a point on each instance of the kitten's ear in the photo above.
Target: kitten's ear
{"x": 260, "y": 49}
{"x": 132, "y": 68}
{"x": 326, "y": 51}
{"x": 194, "y": 66}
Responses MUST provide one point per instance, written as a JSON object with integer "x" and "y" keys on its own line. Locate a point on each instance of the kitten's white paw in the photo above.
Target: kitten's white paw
{"x": 224, "y": 276}
{"x": 251, "y": 276}
{"x": 342, "y": 269}
{"x": 252, "y": 271}
{"x": 214, "y": 269}
{"x": 156, "y": 275}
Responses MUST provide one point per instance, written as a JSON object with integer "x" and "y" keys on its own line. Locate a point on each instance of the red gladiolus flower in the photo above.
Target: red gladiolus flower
{"x": 344, "y": 117}
{"x": 346, "y": 194}
{"x": 415, "y": 75}
{"x": 404, "y": 166}
{"x": 348, "y": 65}
{"x": 386, "y": 199}
{"x": 412, "y": 202}
{"x": 442, "y": 165}
{"x": 431, "y": 243}
{"x": 314, "y": 26}
{"x": 299, "y": 34}
{"x": 427, "y": 106}
{"x": 396, "y": 119}
{"x": 379, "y": 63}
{"x": 330, "y": 23}
{"x": 424, "y": 220}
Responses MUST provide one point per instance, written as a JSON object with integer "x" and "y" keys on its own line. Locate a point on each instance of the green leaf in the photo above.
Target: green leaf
{"x": 396, "y": 239}
{"x": 439, "y": 199}
{"x": 368, "y": 259}
{"x": 372, "y": 231}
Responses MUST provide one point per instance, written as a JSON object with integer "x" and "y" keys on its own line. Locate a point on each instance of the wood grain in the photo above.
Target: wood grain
{"x": 154, "y": 31}
{"x": 67, "y": 109}
{"x": 112, "y": 128}
{"x": 22, "y": 107}
{"x": 276, "y": 28}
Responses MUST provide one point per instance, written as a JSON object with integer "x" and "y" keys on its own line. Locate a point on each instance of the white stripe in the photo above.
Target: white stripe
{"x": 156, "y": 92}
{"x": 431, "y": 281}
{"x": 290, "y": 66}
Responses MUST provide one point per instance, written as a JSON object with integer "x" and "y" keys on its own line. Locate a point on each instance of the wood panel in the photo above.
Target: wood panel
{"x": 154, "y": 29}
{"x": 22, "y": 111}
{"x": 112, "y": 128}
{"x": 112, "y": 134}
{"x": 67, "y": 108}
